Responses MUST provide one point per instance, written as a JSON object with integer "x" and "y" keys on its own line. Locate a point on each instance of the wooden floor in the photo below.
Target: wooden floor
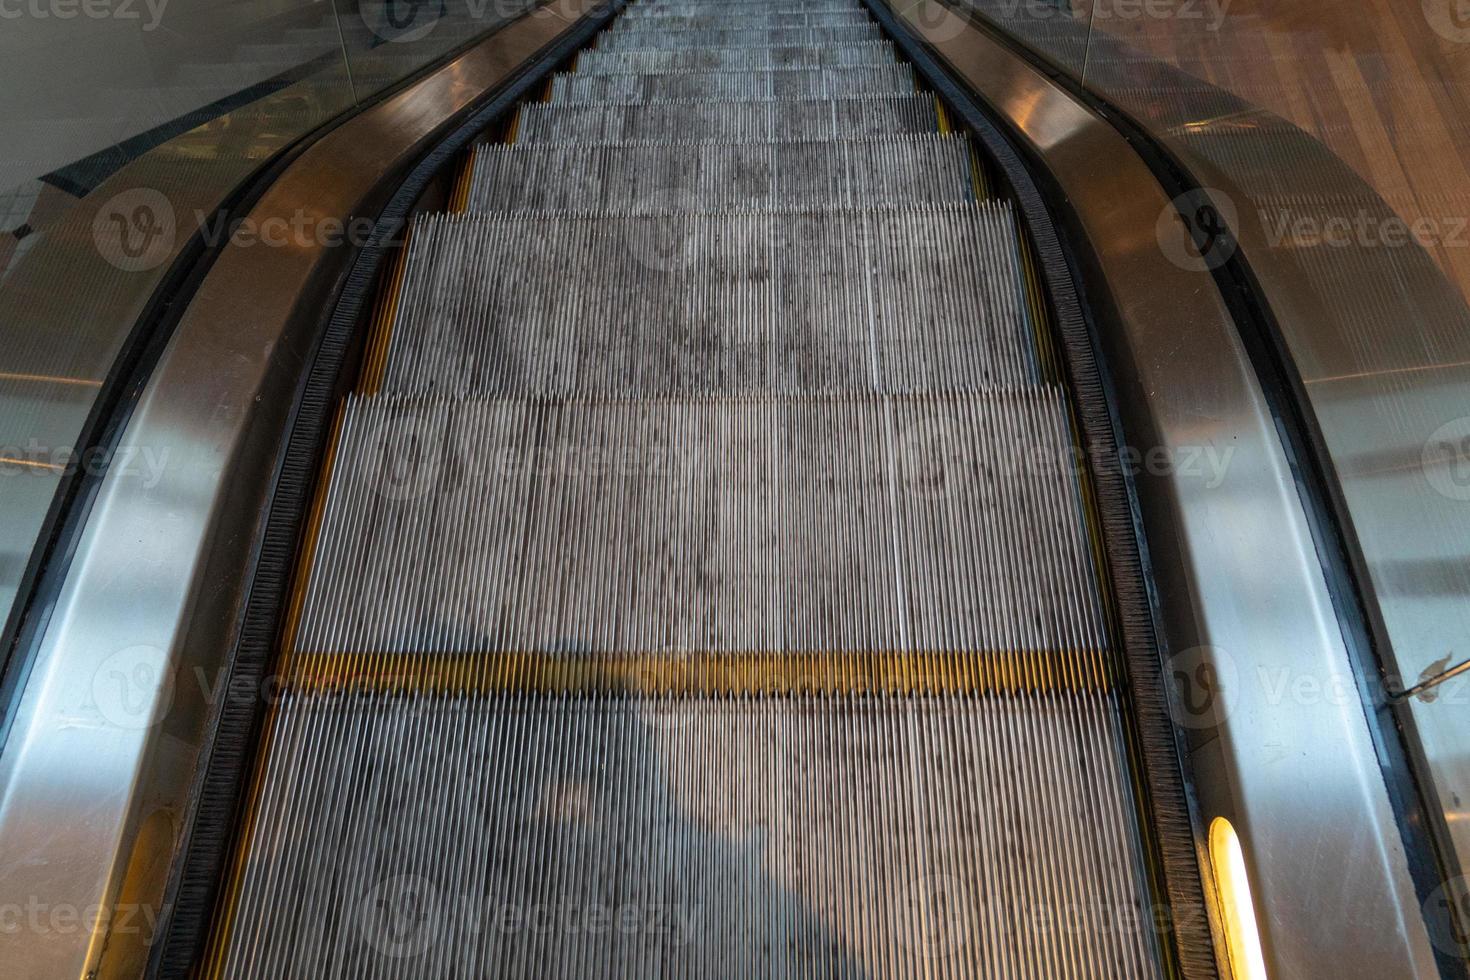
{"x": 1385, "y": 84}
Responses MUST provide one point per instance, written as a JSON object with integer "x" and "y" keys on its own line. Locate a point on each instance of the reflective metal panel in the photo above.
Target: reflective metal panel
{"x": 1334, "y": 139}
{"x": 126, "y": 123}
{"x": 1278, "y": 739}
{"x": 94, "y": 782}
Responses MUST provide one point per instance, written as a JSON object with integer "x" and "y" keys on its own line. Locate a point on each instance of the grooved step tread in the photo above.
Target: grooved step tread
{"x": 777, "y": 84}
{"x": 739, "y": 37}
{"x": 728, "y": 121}
{"x": 650, "y": 61}
{"x": 651, "y": 178}
{"x": 588, "y": 526}
{"x": 901, "y": 300}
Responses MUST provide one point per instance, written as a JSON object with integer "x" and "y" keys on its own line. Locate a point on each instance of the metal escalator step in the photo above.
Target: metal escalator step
{"x": 871, "y": 53}
{"x": 643, "y": 178}
{"x": 695, "y": 6}
{"x": 903, "y": 300}
{"x": 544, "y": 835}
{"x": 725, "y": 19}
{"x": 732, "y": 121}
{"x": 780, "y": 84}
{"x": 738, "y": 37}
{"x": 826, "y": 13}
{"x": 841, "y": 525}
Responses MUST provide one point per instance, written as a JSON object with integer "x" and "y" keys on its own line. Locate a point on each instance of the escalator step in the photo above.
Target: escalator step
{"x": 695, "y": 6}
{"x": 703, "y": 586}
{"x": 872, "y": 53}
{"x": 644, "y": 178}
{"x": 727, "y": 121}
{"x": 659, "y": 20}
{"x": 924, "y": 299}
{"x": 842, "y": 837}
{"x": 692, "y": 8}
{"x": 783, "y": 84}
{"x": 738, "y": 37}
{"x": 705, "y": 525}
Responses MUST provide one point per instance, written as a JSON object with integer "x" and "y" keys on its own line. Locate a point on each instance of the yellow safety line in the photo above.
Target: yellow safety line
{"x": 384, "y": 315}
{"x": 979, "y": 176}
{"x": 704, "y": 674}
{"x": 944, "y": 127}
{"x": 460, "y": 201}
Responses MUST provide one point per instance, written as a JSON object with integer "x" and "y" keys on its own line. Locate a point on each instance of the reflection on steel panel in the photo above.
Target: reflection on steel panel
{"x": 123, "y": 142}
{"x": 1335, "y": 138}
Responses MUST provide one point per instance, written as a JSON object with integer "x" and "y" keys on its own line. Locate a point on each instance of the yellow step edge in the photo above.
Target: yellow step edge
{"x": 385, "y": 313}
{"x": 705, "y": 674}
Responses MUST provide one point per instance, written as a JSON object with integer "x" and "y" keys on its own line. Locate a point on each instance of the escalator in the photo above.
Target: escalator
{"x": 702, "y": 580}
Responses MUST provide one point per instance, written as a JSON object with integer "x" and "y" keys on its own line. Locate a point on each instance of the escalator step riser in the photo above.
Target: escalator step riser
{"x": 872, "y": 54}
{"x": 642, "y": 179}
{"x": 740, "y": 19}
{"x": 906, "y": 300}
{"x": 686, "y": 8}
{"x": 818, "y": 83}
{"x": 728, "y": 121}
{"x": 788, "y": 13}
{"x": 589, "y": 527}
{"x": 739, "y": 37}
{"x": 697, "y": 7}
{"x": 820, "y": 837}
